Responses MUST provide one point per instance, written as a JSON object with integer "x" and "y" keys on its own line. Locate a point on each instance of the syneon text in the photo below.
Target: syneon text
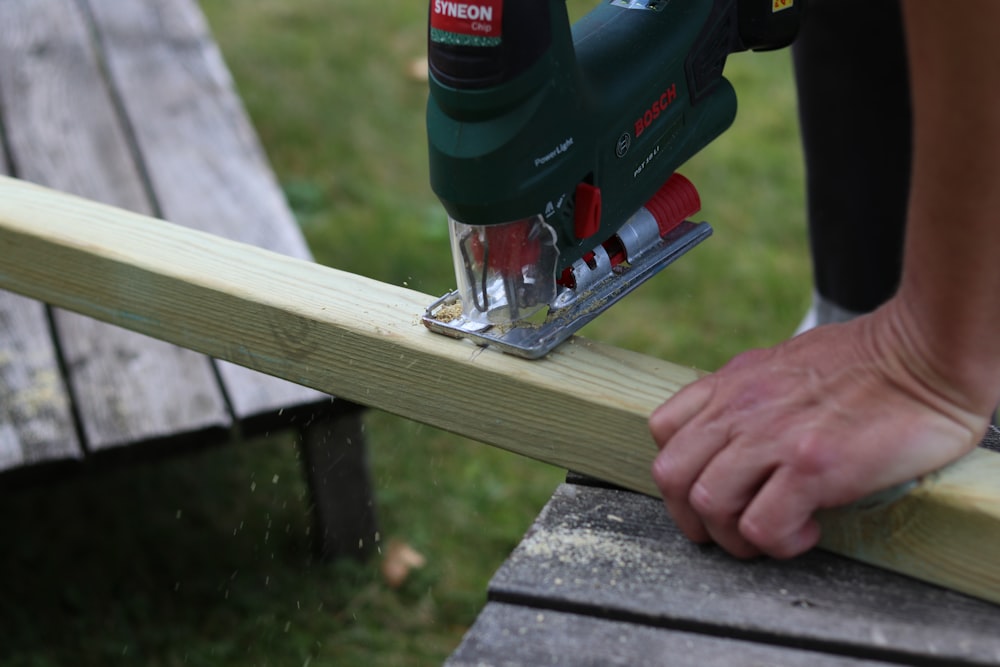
{"x": 460, "y": 10}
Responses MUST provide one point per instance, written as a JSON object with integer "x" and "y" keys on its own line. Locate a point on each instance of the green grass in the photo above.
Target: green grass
{"x": 204, "y": 560}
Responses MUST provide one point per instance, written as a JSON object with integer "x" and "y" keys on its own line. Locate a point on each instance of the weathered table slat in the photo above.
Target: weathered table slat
{"x": 65, "y": 132}
{"x": 507, "y": 635}
{"x": 161, "y": 51}
{"x": 36, "y": 423}
{"x": 615, "y": 555}
{"x": 131, "y": 104}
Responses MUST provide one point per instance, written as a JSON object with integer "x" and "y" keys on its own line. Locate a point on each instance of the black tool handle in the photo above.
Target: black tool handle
{"x": 765, "y": 25}
{"x": 739, "y": 25}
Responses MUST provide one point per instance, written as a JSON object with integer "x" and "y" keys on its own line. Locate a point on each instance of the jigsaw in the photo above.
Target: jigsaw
{"x": 554, "y": 147}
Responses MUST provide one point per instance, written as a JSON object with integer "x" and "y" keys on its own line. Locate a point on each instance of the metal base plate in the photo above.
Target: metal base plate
{"x": 532, "y": 341}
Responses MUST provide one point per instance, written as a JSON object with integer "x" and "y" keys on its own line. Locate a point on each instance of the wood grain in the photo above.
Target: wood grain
{"x": 505, "y": 635}
{"x": 946, "y": 529}
{"x": 584, "y": 407}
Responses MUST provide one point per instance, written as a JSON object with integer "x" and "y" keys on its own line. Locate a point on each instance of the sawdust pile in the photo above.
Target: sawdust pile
{"x": 449, "y": 312}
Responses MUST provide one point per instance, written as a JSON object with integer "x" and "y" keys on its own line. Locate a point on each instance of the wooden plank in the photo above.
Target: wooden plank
{"x": 173, "y": 83}
{"x": 508, "y": 635}
{"x": 612, "y": 553}
{"x": 584, "y": 407}
{"x": 36, "y": 424}
{"x": 342, "y": 333}
{"x": 64, "y": 131}
{"x": 941, "y": 521}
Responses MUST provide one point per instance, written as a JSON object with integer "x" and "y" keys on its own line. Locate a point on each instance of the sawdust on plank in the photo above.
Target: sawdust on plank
{"x": 619, "y": 559}
{"x": 448, "y": 312}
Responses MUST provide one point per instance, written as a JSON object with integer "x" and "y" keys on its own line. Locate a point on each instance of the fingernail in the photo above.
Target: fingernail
{"x": 661, "y": 469}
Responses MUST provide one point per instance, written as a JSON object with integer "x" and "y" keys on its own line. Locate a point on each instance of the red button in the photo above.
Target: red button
{"x": 587, "y": 211}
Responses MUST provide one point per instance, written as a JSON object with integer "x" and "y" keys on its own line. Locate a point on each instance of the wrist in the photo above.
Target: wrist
{"x": 954, "y": 357}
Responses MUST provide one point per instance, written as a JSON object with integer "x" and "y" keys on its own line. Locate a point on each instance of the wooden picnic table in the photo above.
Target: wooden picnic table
{"x": 129, "y": 103}
{"x": 603, "y": 577}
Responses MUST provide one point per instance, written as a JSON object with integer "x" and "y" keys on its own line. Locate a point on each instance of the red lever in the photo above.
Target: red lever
{"x": 674, "y": 202}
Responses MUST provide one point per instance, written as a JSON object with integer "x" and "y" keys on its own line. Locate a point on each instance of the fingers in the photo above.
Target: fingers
{"x": 728, "y": 484}
{"x": 670, "y": 417}
{"x": 779, "y": 521}
{"x": 760, "y": 509}
{"x": 724, "y": 489}
{"x": 675, "y": 468}
{"x": 720, "y": 519}
{"x": 692, "y": 472}
{"x": 708, "y": 478}
{"x": 674, "y": 481}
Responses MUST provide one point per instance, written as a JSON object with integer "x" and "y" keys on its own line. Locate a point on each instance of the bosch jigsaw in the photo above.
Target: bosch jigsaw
{"x": 553, "y": 149}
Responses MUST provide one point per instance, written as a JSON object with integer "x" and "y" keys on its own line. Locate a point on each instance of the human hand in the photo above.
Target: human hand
{"x": 749, "y": 453}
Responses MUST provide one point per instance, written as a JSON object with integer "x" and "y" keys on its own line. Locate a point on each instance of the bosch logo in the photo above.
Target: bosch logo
{"x": 658, "y": 106}
{"x": 624, "y": 143}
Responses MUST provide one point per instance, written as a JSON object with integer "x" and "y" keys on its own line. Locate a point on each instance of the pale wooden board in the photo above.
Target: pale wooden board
{"x": 615, "y": 554}
{"x": 162, "y": 54}
{"x": 925, "y": 522}
{"x": 36, "y": 424}
{"x": 64, "y": 132}
{"x": 584, "y": 407}
{"x": 512, "y": 636}
{"x": 341, "y": 333}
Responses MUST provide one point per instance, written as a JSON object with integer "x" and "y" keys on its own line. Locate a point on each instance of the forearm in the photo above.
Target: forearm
{"x": 949, "y": 299}
{"x": 749, "y": 453}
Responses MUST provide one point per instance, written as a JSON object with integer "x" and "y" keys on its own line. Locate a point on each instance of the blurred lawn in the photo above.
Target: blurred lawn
{"x": 205, "y": 560}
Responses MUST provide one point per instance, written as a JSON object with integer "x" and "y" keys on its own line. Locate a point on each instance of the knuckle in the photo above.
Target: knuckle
{"x": 670, "y": 479}
{"x": 763, "y": 538}
{"x": 813, "y": 456}
{"x": 662, "y": 425}
{"x": 708, "y": 506}
{"x": 747, "y": 358}
{"x": 666, "y": 477}
{"x": 677, "y": 411}
{"x": 786, "y": 537}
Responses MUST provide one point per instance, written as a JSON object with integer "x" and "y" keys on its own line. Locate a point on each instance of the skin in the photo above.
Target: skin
{"x": 749, "y": 453}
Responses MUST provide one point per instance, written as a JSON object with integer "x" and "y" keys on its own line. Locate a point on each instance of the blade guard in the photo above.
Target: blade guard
{"x": 506, "y": 272}
{"x": 654, "y": 237}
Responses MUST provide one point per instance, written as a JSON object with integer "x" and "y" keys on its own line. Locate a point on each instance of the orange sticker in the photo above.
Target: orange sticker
{"x": 778, "y": 5}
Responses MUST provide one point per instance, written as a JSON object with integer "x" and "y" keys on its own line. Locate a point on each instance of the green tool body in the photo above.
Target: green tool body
{"x": 553, "y": 149}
